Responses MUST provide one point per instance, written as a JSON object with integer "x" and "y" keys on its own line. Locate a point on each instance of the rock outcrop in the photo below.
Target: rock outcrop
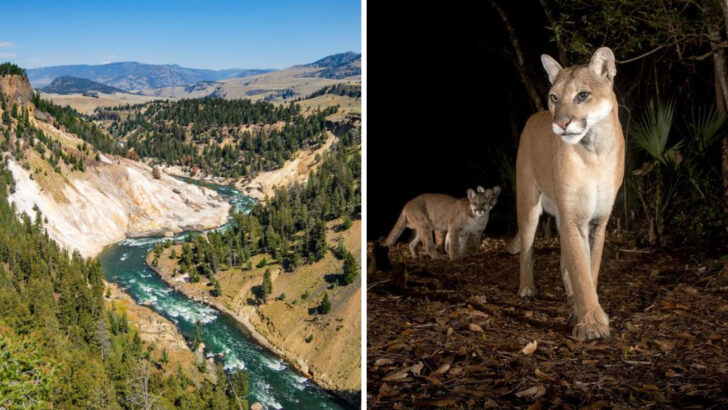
{"x": 115, "y": 199}
{"x": 16, "y": 89}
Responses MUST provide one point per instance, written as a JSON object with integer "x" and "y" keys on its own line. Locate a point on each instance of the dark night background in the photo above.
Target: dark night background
{"x": 445, "y": 102}
{"x": 442, "y": 99}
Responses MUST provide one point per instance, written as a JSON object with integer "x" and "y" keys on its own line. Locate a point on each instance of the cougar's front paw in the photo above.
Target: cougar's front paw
{"x": 527, "y": 291}
{"x": 592, "y": 325}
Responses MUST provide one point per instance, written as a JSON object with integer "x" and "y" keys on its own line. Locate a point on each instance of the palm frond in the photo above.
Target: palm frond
{"x": 706, "y": 126}
{"x": 652, "y": 130}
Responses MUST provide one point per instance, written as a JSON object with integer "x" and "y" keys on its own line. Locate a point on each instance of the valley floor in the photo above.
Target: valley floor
{"x": 453, "y": 335}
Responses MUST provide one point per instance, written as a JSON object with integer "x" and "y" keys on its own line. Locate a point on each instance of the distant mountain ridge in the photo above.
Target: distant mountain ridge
{"x": 335, "y": 60}
{"x": 74, "y": 85}
{"x": 337, "y": 66}
{"x": 136, "y": 76}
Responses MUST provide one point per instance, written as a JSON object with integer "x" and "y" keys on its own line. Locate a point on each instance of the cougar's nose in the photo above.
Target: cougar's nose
{"x": 562, "y": 123}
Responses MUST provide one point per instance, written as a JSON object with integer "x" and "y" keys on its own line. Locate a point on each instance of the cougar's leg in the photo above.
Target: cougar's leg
{"x": 456, "y": 244}
{"x": 596, "y": 236}
{"x": 528, "y": 209}
{"x": 413, "y": 244}
{"x": 592, "y": 322}
{"x": 426, "y": 235}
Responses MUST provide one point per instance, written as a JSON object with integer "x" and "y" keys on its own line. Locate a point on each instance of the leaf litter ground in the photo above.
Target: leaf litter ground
{"x": 455, "y": 335}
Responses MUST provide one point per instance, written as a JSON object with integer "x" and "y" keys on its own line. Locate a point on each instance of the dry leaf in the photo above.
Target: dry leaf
{"x": 530, "y": 348}
{"x": 532, "y": 392}
{"x": 671, "y": 373}
{"x": 665, "y": 345}
{"x": 475, "y": 328}
{"x": 402, "y": 374}
{"x": 543, "y": 376}
{"x": 450, "y": 331}
{"x": 383, "y": 362}
{"x": 442, "y": 369}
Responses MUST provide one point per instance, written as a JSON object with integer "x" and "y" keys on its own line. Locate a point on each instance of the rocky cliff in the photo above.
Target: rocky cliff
{"x": 115, "y": 199}
{"x": 15, "y": 89}
{"x": 106, "y": 200}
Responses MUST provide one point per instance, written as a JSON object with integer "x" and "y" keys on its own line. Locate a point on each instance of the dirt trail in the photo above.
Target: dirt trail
{"x": 464, "y": 326}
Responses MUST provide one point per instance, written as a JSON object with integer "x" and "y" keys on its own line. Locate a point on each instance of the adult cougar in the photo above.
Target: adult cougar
{"x": 460, "y": 218}
{"x": 570, "y": 164}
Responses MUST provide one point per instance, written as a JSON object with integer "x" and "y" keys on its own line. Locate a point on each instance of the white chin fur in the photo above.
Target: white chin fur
{"x": 572, "y": 139}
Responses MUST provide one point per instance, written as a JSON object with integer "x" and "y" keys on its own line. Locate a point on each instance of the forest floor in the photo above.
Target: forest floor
{"x": 453, "y": 335}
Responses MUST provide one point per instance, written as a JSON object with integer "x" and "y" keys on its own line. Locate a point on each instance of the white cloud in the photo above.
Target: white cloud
{"x": 109, "y": 58}
{"x": 6, "y": 44}
{"x": 7, "y": 55}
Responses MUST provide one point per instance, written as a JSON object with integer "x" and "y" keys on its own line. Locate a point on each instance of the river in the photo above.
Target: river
{"x": 272, "y": 381}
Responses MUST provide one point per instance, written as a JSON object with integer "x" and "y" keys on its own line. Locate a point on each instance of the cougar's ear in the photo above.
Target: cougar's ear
{"x": 481, "y": 189}
{"x": 602, "y": 63}
{"x": 552, "y": 67}
{"x": 496, "y": 190}
{"x": 471, "y": 194}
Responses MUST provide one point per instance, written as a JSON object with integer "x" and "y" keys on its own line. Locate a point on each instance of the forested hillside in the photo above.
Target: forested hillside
{"x": 228, "y": 138}
{"x": 289, "y": 269}
{"x": 291, "y": 226}
{"x": 60, "y": 347}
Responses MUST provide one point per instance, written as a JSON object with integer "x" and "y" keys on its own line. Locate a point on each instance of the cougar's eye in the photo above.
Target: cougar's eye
{"x": 554, "y": 98}
{"x": 582, "y": 96}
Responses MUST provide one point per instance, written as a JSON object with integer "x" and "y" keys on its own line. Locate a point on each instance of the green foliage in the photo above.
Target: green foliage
{"x": 261, "y": 263}
{"x": 74, "y": 122}
{"x": 325, "y": 306}
{"x": 217, "y": 289}
{"x": 316, "y": 241}
{"x": 267, "y": 284}
{"x": 652, "y": 130}
{"x": 351, "y": 270}
{"x": 174, "y": 131}
{"x": 9, "y": 68}
{"x": 685, "y": 173}
{"x": 60, "y": 346}
{"x": 27, "y": 378}
{"x": 196, "y": 335}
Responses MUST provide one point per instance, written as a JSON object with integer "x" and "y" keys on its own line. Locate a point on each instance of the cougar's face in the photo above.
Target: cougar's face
{"x": 482, "y": 200}
{"x": 580, "y": 96}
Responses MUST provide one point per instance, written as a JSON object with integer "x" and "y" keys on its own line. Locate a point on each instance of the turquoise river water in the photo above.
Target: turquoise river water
{"x": 272, "y": 381}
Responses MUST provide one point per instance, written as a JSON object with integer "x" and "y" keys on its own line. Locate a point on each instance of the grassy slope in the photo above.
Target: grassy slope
{"x": 334, "y": 351}
{"x": 87, "y": 105}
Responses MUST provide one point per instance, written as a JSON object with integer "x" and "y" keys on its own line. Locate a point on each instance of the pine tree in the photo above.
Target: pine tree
{"x": 196, "y": 335}
{"x": 325, "y": 306}
{"x": 350, "y": 269}
{"x": 267, "y": 284}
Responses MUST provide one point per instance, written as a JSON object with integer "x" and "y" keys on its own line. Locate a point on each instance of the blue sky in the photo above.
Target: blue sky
{"x": 191, "y": 33}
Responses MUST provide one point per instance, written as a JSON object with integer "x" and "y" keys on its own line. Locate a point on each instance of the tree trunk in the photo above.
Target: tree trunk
{"x": 721, "y": 99}
{"x": 563, "y": 59}
{"x": 520, "y": 62}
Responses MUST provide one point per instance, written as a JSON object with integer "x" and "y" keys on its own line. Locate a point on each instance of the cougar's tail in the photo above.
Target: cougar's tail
{"x": 514, "y": 246}
{"x": 397, "y": 230}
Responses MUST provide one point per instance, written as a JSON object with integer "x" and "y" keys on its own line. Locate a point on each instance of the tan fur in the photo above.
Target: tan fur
{"x": 430, "y": 214}
{"x": 575, "y": 177}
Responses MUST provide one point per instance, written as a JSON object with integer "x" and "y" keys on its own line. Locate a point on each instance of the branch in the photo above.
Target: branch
{"x": 520, "y": 64}
{"x": 654, "y": 50}
{"x": 718, "y": 47}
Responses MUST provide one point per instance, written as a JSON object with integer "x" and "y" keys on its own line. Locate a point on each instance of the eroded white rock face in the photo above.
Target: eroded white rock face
{"x": 117, "y": 199}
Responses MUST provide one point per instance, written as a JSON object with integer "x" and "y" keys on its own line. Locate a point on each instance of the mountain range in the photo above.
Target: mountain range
{"x": 71, "y": 85}
{"x": 136, "y": 76}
